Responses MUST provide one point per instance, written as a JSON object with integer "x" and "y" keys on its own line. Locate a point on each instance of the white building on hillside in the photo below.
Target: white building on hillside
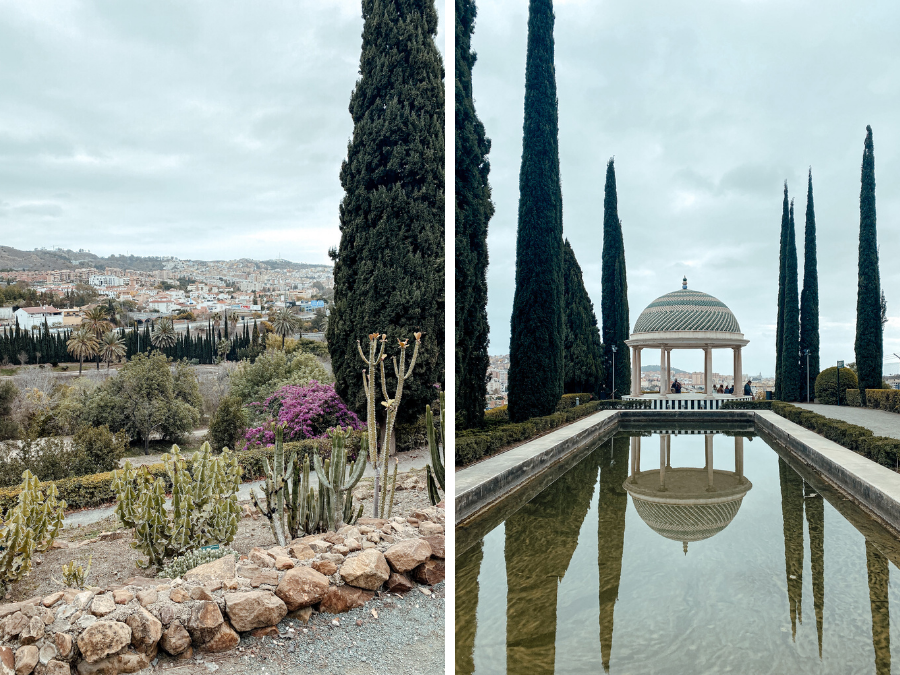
{"x": 28, "y": 317}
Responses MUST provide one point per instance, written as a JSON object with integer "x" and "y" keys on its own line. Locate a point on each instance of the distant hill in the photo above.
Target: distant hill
{"x": 655, "y": 369}
{"x": 14, "y": 259}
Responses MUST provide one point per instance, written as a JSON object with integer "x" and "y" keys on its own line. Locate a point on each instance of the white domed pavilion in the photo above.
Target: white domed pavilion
{"x": 686, "y": 319}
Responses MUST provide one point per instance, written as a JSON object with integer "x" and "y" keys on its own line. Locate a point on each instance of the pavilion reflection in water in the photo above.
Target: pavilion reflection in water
{"x": 684, "y": 504}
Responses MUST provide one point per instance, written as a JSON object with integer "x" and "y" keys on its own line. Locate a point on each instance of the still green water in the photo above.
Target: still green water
{"x": 761, "y": 570}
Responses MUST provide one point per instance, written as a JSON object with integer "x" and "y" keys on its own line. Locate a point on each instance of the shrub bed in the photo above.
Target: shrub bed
{"x": 747, "y": 405}
{"x": 882, "y": 399}
{"x": 569, "y": 401}
{"x": 880, "y": 449}
{"x": 853, "y": 397}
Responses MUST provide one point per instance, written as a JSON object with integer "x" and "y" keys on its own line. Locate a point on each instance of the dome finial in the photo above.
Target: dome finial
{"x": 685, "y": 547}
{"x": 684, "y": 283}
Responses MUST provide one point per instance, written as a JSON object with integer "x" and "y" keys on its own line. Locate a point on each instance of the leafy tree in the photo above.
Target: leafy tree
{"x": 389, "y": 266}
{"x": 226, "y": 429}
{"x": 614, "y": 292}
{"x": 809, "y": 300}
{"x": 82, "y": 345}
{"x": 285, "y": 323}
{"x": 869, "y": 345}
{"x": 782, "y": 262}
{"x": 111, "y": 347}
{"x": 583, "y": 351}
{"x": 254, "y": 382}
{"x": 473, "y": 212}
{"x": 536, "y": 368}
{"x": 790, "y": 349}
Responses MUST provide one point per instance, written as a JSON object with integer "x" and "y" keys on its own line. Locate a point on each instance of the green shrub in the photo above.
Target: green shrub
{"x": 827, "y": 385}
{"x": 747, "y": 405}
{"x": 883, "y": 399}
{"x": 853, "y": 397}
{"x": 97, "y": 449}
{"x": 227, "y": 426}
{"x": 568, "y": 401}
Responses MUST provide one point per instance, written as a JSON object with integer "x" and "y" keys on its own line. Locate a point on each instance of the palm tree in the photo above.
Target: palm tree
{"x": 82, "y": 345}
{"x": 95, "y": 320}
{"x": 111, "y": 347}
{"x": 164, "y": 336}
{"x": 285, "y": 323}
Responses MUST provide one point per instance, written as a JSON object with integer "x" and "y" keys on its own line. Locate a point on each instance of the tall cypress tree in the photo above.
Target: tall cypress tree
{"x": 389, "y": 267}
{"x": 809, "y": 301}
{"x": 869, "y": 347}
{"x": 790, "y": 350}
{"x": 473, "y": 211}
{"x": 583, "y": 350}
{"x": 536, "y": 368}
{"x": 782, "y": 261}
{"x": 614, "y": 292}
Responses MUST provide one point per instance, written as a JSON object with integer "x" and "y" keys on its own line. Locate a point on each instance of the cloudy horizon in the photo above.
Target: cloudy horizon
{"x": 197, "y": 130}
{"x": 707, "y": 112}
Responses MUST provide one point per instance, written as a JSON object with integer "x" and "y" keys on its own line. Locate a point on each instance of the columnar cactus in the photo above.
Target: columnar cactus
{"x": 339, "y": 480}
{"x": 436, "y": 474}
{"x": 277, "y": 481}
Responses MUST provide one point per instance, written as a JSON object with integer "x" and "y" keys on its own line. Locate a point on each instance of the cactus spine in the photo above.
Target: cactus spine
{"x": 392, "y": 405}
{"x": 435, "y": 474}
{"x": 339, "y": 479}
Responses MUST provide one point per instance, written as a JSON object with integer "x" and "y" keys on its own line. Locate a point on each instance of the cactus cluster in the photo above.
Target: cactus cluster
{"x": 204, "y": 504}
{"x": 435, "y": 474}
{"x": 179, "y": 565}
{"x": 31, "y": 525}
{"x": 382, "y": 500}
{"x": 293, "y": 507}
{"x": 75, "y": 576}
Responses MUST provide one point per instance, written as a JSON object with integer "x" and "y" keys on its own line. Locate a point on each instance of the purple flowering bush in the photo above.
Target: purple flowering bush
{"x": 306, "y": 412}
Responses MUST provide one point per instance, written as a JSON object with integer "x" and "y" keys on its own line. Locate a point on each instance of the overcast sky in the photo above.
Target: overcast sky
{"x": 707, "y": 107}
{"x": 196, "y": 129}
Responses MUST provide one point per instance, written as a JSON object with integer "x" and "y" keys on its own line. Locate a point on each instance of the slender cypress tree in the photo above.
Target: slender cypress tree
{"x": 614, "y": 292}
{"x": 583, "y": 350}
{"x": 536, "y": 368}
{"x": 790, "y": 351}
{"x": 869, "y": 347}
{"x": 809, "y": 301}
{"x": 389, "y": 267}
{"x": 473, "y": 211}
{"x": 782, "y": 261}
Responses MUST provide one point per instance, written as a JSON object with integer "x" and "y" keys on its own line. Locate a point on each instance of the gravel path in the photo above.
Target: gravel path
{"x": 880, "y": 422}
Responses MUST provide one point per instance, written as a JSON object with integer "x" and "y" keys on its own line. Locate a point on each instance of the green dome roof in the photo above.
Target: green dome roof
{"x": 686, "y": 310}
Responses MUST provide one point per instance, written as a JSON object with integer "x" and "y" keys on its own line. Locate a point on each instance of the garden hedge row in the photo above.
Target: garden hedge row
{"x": 884, "y": 451}
{"x": 747, "y": 405}
{"x": 853, "y": 398}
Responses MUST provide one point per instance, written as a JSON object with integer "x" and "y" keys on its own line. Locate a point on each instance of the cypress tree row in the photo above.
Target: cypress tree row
{"x": 869, "y": 347}
{"x": 536, "y": 368}
{"x": 614, "y": 293}
{"x": 790, "y": 351}
{"x": 782, "y": 261}
{"x": 473, "y": 211}
{"x": 389, "y": 266}
{"x": 583, "y": 349}
{"x": 809, "y": 301}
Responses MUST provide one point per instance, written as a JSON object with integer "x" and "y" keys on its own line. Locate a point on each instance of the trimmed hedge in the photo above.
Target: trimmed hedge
{"x": 747, "y": 405}
{"x": 880, "y": 449}
{"x": 853, "y": 397}
{"x": 882, "y": 399}
{"x": 474, "y": 444}
{"x": 568, "y": 401}
{"x": 826, "y": 386}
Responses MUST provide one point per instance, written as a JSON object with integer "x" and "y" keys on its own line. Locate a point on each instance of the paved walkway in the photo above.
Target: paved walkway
{"x": 880, "y": 422}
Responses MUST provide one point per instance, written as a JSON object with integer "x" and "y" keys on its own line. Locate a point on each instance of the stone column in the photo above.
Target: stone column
{"x": 739, "y": 458}
{"x": 637, "y": 357}
{"x": 663, "y": 385}
{"x": 662, "y": 462}
{"x": 709, "y": 463}
{"x": 668, "y": 369}
{"x": 669, "y": 452}
{"x": 637, "y": 455}
{"x": 738, "y": 368}
{"x": 633, "y": 457}
{"x": 707, "y": 371}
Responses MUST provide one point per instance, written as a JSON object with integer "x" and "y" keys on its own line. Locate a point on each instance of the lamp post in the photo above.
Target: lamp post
{"x": 840, "y": 364}
{"x": 614, "y": 349}
{"x": 806, "y": 354}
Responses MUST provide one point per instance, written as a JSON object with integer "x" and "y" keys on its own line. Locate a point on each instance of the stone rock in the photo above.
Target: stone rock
{"x": 366, "y": 544}
{"x": 103, "y": 605}
{"x": 113, "y": 665}
{"x": 143, "y": 582}
{"x": 200, "y": 593}
{"x": 248, "y": 570}
{"x": 333, "y": 538}
{"x": 176, "y": 639}
{"x": 33, "y": 632}
{"x": 213, "y": 585}
{"x": 325, "y": 567}
{"x": 340, "y": 549}
{"x": 186, "y": 654}
{"x": 336, "y": 558}
{"x": 122, "y": 596}
{"x": 166, "y": 614}
{"x": 223, "y": 568}
{"x": 429, "y": 572}
{"x": 340, "y": 599}
{"x": 205, "y": 620}
{"x": 436, "y": 541}
{"x": 57, "y": 668}
{"x": 427, "y": 528}
{"x": 301, "y": 587}
{"x": 367, "y": 570}
{"x": 9, "y": 608}
{"x": 262, "y": 558}
{"x": 179, "y": 595}
{"x": 83, "y": 599}
{"x": 52, "y": 599}
{"x": 26, "y": 659}
{"x": 64, "y": 645}
{"x": 301, "y": 552}
{"x": 269, "y": 576}
{"x": 147, "y": 597}
{"x": 102, "y": 639}
{"x": 13, "y": 625}
{"x": 268, "y": 631}
{"x": 84, "y": 621}
{"x": 283, "y": 563}
{"x": 399, "y": 583}
{"x": 353, "y": 545}
{"x": 224, "y": 639}
{"x": 254, "y": 609}
{"x": 371, "y": 522}
{"x": 374, "y": 537}
{"x": 146, "y": 630}
{"x": 407, "y": 555}
{"x": 48, "y": 652}
{"x": 319, "y": 545}
{"x": 277, "y": 551}
{"x": 303, "y": 614}
{"x": 7, "y": 661}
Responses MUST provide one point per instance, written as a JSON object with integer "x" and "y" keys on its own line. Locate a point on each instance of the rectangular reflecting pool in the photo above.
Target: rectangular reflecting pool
{"x": 679, "y": 551}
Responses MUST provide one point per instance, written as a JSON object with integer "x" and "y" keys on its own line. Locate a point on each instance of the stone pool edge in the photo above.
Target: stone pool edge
{"x": 873, "y": 487}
